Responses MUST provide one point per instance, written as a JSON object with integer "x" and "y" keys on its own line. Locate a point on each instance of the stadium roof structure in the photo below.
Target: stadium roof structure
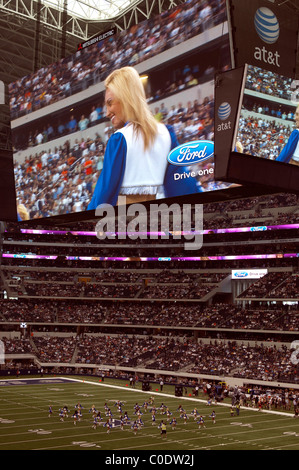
{"x": 36, "y": 33}
{"x": 93, "y": 10}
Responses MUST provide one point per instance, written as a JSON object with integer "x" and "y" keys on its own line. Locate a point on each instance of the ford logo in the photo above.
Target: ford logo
{"x": 258, "y": 229}
{"x": 191, "y": 153}
{"x": 241, "y": 274}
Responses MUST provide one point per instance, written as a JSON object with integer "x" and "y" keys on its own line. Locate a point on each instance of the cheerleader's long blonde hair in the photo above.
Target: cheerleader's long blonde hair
{"x": 126, "y": 85}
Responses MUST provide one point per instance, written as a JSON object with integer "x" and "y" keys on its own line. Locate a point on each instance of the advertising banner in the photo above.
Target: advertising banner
{"x": 228, "y": 92}
{"x": 264, "y": 34}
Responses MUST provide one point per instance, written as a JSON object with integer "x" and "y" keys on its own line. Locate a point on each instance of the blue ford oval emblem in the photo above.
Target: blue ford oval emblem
{"x": 258, "y": 229}
{"x": 241, "y": 274}
{"x": 191, "y": 153}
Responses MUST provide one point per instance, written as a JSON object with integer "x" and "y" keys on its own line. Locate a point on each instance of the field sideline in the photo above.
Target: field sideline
{"x": 25, "y": 423}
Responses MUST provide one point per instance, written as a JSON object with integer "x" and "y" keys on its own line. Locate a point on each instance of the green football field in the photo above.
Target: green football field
{"x": 25, "y": 423}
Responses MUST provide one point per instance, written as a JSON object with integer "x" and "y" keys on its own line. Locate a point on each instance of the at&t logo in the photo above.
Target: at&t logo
{"x": 268, "y": 30}
{"x": 224, "y": 112}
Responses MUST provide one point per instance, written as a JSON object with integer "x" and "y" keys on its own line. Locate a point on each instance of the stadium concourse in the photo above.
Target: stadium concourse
{"x": 75, "y": 304}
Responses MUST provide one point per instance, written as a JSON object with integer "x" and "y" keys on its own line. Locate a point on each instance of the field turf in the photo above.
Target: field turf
{"x": 25, "y": 423}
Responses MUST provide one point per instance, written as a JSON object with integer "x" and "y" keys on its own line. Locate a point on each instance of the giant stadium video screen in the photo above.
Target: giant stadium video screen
{"x": 58, "y": 115}
{"x": 268, "y": 116}
{"x": 267, "y": 128}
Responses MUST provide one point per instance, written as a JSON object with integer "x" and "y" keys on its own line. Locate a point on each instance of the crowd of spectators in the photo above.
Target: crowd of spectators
{"x": 274, "y": 285}
{"x": 151, "y": 290}
{"x": 149, "y": 314}
{"x": 289, "y": 288}
{"x": 269, "y": 83}
{"x": 259, "y": 362}
{"x": 59, "y": 181}
{"x": 92, "y": 64}
{"x": 79, "y": 121}
{"x": 17, "y": 346}
{"x": 86, "y": 116}
{"x": 262, "y": 137}
{"x": 54, "y": 349}
{"x": 274, "y": 110}
{"x": 227, "y": 214}
{"x": 146, "y": 285}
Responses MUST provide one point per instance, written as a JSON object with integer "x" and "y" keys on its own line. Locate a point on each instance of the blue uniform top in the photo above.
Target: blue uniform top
{"x": 288, "y": 151}
{"x": 109, "y": 183}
